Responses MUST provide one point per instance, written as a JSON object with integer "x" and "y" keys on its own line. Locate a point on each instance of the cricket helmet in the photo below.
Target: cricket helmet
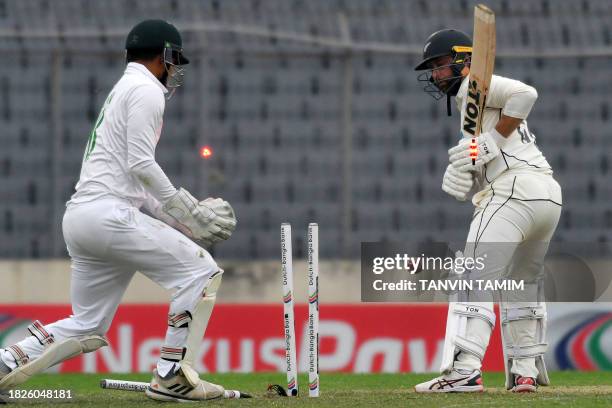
{"x": 444, "y": 42}
{"x": 163, "y": 36}
{"x": 157, "y": 35}
{"x": 447, "y": 42}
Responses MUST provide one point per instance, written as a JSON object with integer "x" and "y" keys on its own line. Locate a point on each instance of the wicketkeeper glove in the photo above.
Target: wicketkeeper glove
{"x": 208, "y": 221}
{"x": 485, "y": 149}
{"x": 225, "y": 220}
{"x": 457, "y": 183}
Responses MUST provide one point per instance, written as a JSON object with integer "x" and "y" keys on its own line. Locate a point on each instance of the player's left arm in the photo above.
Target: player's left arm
{"x": 207, "y": 221}
{"x": 515, "y": 99}
{"x": 507, "y": 125}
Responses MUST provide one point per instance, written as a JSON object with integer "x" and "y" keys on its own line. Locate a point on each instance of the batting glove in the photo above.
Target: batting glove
{"x": 457, "y": 183}
{"x": 471, "y": 156}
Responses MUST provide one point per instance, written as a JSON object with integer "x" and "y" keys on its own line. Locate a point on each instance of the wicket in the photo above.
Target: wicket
{"x": 313, "y": 309}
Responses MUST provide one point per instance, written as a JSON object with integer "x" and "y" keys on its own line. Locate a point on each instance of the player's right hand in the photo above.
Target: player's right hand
{"x": 224, "y": 221}
{"x": 457, "y": 183}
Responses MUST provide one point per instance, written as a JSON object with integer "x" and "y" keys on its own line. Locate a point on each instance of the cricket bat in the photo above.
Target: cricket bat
{"x": 137, "y": 386}
{"x": 481, "y": 71}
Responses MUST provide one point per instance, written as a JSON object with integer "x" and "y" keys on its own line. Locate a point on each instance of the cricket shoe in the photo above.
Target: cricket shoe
{"x": 524, "y": 384}
{"x": 455, "y": 381}
{"x": 176, "y": 388}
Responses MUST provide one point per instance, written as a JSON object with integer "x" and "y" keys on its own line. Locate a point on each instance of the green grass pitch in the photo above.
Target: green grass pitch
{"x": 569, "y": 389}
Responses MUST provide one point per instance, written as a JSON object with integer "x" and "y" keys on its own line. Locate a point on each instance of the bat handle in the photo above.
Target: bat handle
{"x": 473, "y": 151}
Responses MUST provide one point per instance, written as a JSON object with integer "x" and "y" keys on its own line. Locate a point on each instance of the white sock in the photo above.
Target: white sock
{"x": 32, "y": 347}
{"x": 175, "y": 337}
{"x": 165, "y": 367}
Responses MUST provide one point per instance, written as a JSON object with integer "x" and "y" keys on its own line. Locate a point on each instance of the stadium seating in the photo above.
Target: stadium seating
{"x": 272, "y": 111}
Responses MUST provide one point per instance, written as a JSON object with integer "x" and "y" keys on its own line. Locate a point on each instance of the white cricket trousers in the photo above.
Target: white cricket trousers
{"x": 108, "y": 241}
{"x": 519, "y": 212}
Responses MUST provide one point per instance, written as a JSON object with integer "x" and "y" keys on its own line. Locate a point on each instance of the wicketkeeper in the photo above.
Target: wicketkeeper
{"x": 109, "y": 238}
{"x": 518, "y": 204}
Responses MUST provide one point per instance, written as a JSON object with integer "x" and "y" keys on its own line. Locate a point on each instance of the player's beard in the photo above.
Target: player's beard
{"x": 442, "y": 85}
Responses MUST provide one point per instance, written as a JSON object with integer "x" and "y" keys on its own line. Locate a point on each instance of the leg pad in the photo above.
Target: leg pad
{"x": 524, "y": 311}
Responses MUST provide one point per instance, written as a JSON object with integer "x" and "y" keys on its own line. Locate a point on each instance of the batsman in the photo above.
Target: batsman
{"x": 517, "y": 207}
{"x": 109, "y": 238}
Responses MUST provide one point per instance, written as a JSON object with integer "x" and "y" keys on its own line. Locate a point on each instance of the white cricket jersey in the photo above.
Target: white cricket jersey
{"x": 119, "y": 160}
{"x": 520, "y": 152}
